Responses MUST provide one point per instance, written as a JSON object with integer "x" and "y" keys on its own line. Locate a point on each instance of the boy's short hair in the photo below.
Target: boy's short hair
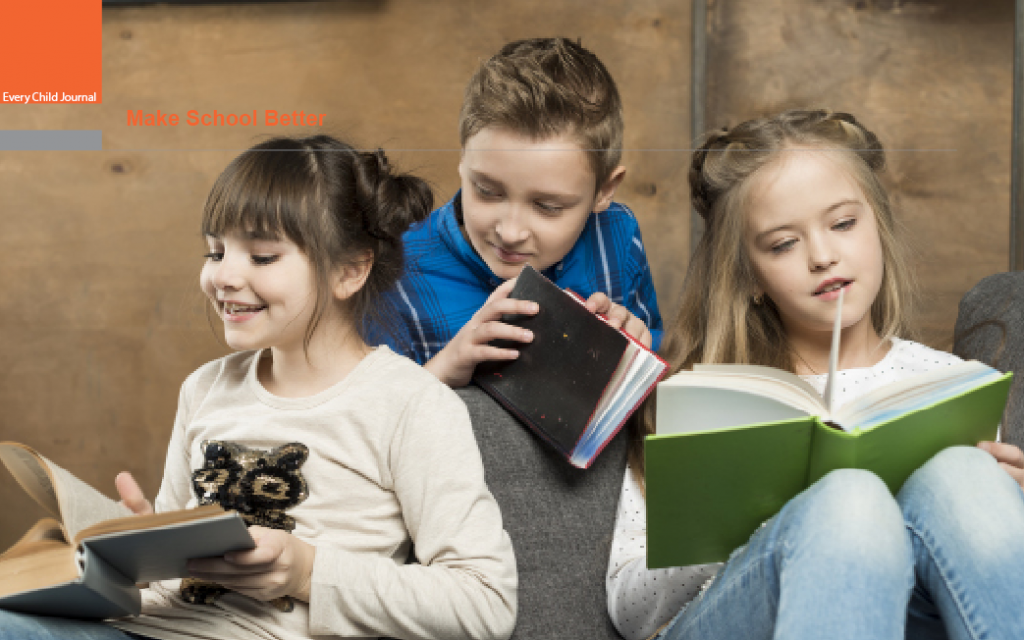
{"x": 544, "y": 87}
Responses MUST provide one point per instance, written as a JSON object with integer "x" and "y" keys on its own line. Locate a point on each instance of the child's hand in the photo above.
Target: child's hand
{"x": 131, "y": 494}
{"x": 1009, "y": 457}
{"x": 620, "y": 317}
{"x": 455, "y": 363}
{"x": 280, "y": 565}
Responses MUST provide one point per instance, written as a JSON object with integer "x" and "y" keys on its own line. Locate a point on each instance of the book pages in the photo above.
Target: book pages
{"x": 31, "y": 474}
{"x": 761, "y": 371}
{"x": 80, "y": 504}
{"x": 74, "y": 503}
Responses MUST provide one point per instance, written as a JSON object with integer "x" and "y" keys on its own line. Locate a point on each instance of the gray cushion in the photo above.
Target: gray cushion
{"x": 560, "y": 520}
{"x": 990, "y": 328}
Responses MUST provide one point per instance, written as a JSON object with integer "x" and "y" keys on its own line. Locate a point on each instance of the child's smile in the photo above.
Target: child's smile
{"x": 255, "y": 287}
{"x": 238, "y": 312}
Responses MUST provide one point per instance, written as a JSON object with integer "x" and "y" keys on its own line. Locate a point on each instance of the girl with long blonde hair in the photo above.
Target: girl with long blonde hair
{"x": 795, "y": 214}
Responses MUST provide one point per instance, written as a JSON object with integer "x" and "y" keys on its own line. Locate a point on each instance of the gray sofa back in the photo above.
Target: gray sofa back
{"x": 990, "y": 328}
{"x": 560, "y": 520}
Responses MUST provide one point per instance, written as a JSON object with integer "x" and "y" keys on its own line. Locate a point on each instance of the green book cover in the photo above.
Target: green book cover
{"x": 708, "y": 490}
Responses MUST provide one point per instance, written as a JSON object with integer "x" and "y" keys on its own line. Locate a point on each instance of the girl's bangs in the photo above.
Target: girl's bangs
{"x": 259, "y": 196}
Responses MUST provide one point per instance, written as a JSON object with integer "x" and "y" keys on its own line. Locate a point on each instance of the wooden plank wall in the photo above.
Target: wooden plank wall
{"x": 100, "y": 312}
{"x": 99, "y": 252}
{"x": 932, "y": 78}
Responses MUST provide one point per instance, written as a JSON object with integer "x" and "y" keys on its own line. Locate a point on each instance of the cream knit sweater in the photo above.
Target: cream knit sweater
{"x": 392, "y": 462}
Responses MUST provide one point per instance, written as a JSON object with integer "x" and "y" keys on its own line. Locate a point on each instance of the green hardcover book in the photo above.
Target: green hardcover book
{"x": 735, "y": 443}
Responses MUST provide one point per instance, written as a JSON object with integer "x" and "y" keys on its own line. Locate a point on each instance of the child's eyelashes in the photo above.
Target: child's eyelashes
{"x": 486, "y": 192}
{"x": 489, "y": 193}
{"x": 549, "y": 209}
{"x": 259, "y": 260}
{"x": 783, "y": 247}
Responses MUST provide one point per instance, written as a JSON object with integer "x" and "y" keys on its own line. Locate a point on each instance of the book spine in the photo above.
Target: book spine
{"x": 100, "y": 592}
{"x": 110, "y": 584}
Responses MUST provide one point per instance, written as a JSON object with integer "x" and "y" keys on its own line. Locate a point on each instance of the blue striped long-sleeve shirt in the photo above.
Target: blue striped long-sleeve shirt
{"x": 445, "y": 281}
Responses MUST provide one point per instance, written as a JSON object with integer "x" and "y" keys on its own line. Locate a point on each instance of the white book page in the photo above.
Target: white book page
{"x": 643, "y": 371}
{"x": 755, "y": 379}
{"x": 912, "y": 393}
{"x": 627, "y": 367}
{"x": 73, "y": 502}
{"x": 29, "y": 471}
{"x": 81, "y": 505}
{"x": 643, "y": 368}
{"x": 682, "y": 409}
{"x": 760, "y": 371}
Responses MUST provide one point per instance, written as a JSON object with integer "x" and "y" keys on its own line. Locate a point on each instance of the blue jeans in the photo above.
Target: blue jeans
{"x": 944, "y": 560}
{"x": 23, "y": 626}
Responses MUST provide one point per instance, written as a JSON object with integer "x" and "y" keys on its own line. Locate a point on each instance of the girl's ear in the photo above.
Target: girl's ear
{"x": 350, "y": 278}
{"x": 606, "y": 191}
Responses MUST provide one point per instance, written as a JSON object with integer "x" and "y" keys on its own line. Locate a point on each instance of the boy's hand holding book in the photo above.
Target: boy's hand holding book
{"x": 620, "y": 317}
{"x": 454, "y": 365}
{"x": 580, "y": 378}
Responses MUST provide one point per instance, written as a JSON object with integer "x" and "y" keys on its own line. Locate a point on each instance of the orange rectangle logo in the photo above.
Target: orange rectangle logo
{"x": 51, "y": 51}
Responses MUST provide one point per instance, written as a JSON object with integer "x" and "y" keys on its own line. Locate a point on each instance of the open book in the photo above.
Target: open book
{"x": 736, "y": 442}
{"x": 578, "y": 381}
{"x": 87, "y": 561}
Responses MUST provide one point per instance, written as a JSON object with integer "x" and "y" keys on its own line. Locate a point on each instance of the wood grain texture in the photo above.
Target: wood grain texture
{"x": 932, "y": 78}
{"x": 100, "y": 310}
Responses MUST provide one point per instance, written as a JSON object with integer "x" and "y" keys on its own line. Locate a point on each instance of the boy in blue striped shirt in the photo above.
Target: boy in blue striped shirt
{"x": 541, "y": 133}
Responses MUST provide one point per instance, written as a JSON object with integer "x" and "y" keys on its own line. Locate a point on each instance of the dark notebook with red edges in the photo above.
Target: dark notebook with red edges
{"x": 559, "y": 379}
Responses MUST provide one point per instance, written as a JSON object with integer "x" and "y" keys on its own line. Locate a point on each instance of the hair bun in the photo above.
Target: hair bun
{"x": 702, "y": 196}
{"x": 383, "y": 167}
{"x": 390, "y": 203}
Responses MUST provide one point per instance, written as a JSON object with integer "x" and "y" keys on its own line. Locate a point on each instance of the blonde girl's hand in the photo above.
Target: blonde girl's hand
{"x": 619, "y": 317}
{"x": 455, "y": 363}
{"x": 1009, "y": 457}
{"x": 280, "y": 565}
{"x": 131, "y": 494}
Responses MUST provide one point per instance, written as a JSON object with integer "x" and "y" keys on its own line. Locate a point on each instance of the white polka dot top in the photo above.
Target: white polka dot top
{"x": 641, "y": 600}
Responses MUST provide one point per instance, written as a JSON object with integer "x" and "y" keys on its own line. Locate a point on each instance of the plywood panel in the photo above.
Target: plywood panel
{"x": 99, "y": 310}
{"x": 932, "y": 78}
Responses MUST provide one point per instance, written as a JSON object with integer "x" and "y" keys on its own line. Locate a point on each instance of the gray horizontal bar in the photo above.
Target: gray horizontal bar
{"x": 73, "y": 140}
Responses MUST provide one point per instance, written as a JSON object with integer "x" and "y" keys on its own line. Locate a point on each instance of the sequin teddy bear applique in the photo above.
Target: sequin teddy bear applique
{"x": 259, "y": 484}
